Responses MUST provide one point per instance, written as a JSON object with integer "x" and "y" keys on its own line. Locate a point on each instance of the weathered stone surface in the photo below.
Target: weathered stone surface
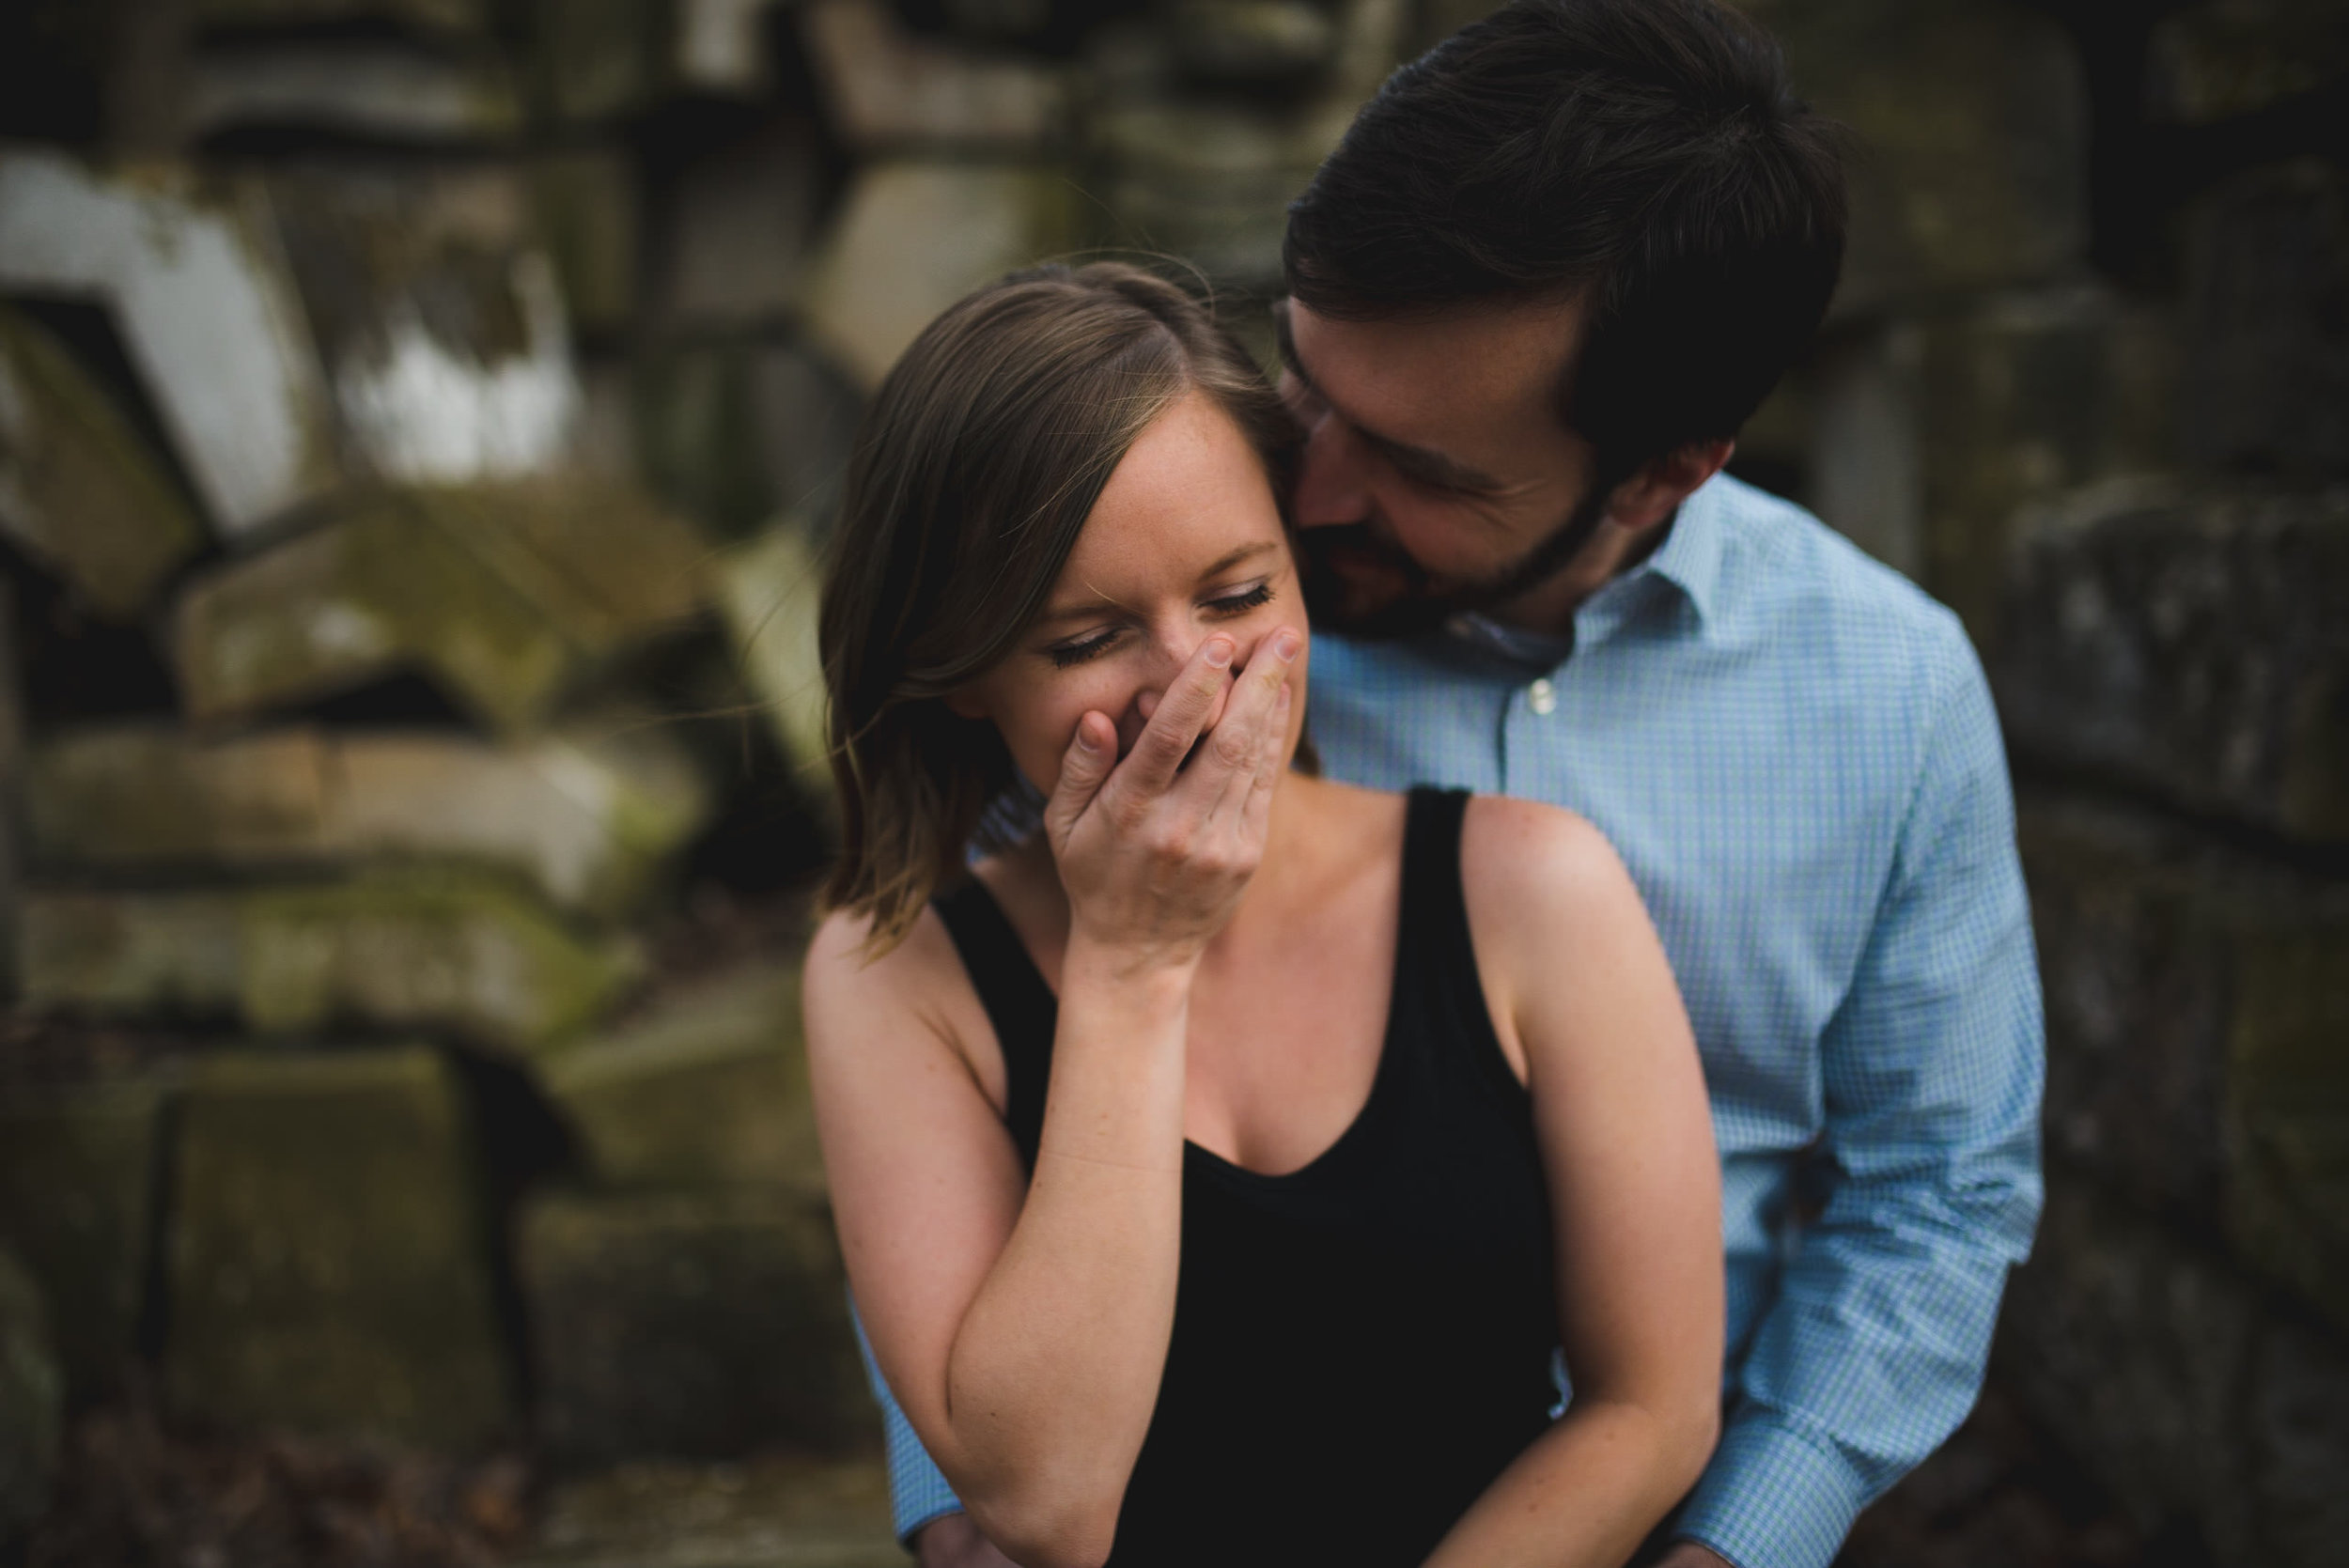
{"x": 1252, "y": 41}
{"x": 602, "y": 561}
{"x": 503, "y": 594}
{"x": 2221, "y": 58}
{"x": 1974, "y": 118}
{"x": 79, "y": 489}
{"x": 2288, "y": 1109}
{"x": 584, "y": 201}
{"x": 1865, "y": 445}
{"x": 599, "y": 59}
{"x": 889, "y": 90}
{"x": 2023, "y": 396}
{"x": 379, "y": 590}
{"x": 2135, "y": 962}
{"x": 2299, "y": 1420}
{"x": 2190, "y": 643}
{"x": 2267, "y": 312}
{"x": 2133, "y": 1349}
{"x": 2195, "y": 1002}
{"x": 1211, "y": 181}
{"x": 32, "y": 1402}
{"x": 719, "y": 47}
{"x": 467, "y": 19}
{"x": 769, "y": 593}
{"x": 912, "y": 237}
{"x": 77, "y": 1192}
{"x": 694, "y": 1326}
{"x": 329, "y": 1261}
{"x": 587, "y": 824}
{"x": 440, "y": 319}
{"x": 769, "y": 1513}
{"x": 417, "y": 950}
{"x": 707, "y": 1088}
{"x": 737, "y": 225}
{"x": 376, "y": 89}
{"x": 207, "y": 313}
{"x": 734, "y": 432}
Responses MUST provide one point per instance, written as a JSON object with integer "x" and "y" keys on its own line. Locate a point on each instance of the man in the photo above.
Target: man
{"x": 1554, "y": 266}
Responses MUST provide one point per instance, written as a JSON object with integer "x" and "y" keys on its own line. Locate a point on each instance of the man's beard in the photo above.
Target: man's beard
{"x": 1403, "y": 601}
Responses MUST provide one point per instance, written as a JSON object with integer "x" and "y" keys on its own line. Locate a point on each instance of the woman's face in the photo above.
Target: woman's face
{"x": 1184, "y": 544}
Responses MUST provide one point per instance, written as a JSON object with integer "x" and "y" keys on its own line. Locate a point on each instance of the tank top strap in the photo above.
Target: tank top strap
{"x": 1437, "y": 985}
{"x": 1018, "y": 1003}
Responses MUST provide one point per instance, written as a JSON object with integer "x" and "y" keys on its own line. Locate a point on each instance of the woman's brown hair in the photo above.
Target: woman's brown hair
{"x": 972, "y": 472}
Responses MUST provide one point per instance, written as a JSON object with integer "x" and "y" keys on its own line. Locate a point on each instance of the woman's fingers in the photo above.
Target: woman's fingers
{"x": 1228, "y": 765}
{"x": 1092, "y": 752}
{"x": 1149, "y": 769}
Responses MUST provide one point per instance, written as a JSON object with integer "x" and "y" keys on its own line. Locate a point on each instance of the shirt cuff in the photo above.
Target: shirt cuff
{"x": 1772, "y": 1498}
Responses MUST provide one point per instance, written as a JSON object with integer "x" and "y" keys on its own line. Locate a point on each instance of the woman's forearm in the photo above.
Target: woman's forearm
{"x": 1588, "y": 1491}
{"x": 1054, "y": 1371}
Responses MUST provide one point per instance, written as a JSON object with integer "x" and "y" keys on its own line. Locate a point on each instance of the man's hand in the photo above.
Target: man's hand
{"x": 952, "y": 1541}
{"x": 1680, "y": 1554}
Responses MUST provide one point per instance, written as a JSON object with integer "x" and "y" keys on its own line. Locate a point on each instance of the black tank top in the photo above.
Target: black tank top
{"x": 1360, "y": 1346}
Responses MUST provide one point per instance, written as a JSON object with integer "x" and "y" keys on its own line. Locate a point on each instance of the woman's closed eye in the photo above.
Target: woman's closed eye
{"x": 1068, "y": 655}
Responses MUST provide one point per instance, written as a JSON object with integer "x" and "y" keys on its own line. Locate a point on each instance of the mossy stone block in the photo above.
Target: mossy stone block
{"x": 79, "y": 488}
{"x": 585, "y": 205}
{"x": 707, "y": 1088}
{"x": 775, "y": 1509}
{"x": 330, "y": 1260}
{"x": 1974, "y": 121}
{"x": 2188, "y": 641}
{"x": 32, "y": 1402}
{"x": 472, "y": 955}
{"x": 77, "y": 1205}
{"x": 915, "y": 236}
{"x": 690, "y": 1325}
{"x": 2288, "y": 1107}
{"x": 377, "y": 591}
{"x": 587, "y": 818}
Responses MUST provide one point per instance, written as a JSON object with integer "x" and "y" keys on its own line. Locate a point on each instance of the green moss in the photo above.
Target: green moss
{"x": 77, "y": 1181}
{"x": 329, "y": 1263}
{"x": 79, "y": 488}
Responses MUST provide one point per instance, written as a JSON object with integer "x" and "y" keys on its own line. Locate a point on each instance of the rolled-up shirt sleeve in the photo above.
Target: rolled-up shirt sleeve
{"x": 1931, "y": 1071}
{"x": 918, "y": 1492}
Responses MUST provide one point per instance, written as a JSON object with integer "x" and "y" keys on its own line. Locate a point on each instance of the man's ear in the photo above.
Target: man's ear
{"x": 1658, "y": 486}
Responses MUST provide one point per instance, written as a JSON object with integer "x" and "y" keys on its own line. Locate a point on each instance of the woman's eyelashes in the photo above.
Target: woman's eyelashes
{"x": 1068, "y": 655}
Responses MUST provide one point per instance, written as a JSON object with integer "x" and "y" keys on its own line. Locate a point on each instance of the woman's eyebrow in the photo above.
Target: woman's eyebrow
{"x": 1245, "y": 552}
{"x": 1100, "y": 601}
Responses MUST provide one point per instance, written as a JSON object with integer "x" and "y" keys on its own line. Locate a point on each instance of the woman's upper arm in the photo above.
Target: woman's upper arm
{"x": 1573, "y": 969}
{"x": 925, "y": 1183}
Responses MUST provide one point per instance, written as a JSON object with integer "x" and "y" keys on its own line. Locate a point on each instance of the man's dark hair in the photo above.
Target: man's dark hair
{"x": 1650, "y": 153}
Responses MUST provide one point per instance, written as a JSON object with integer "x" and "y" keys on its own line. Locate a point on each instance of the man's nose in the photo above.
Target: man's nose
{"x": 1332, "y": 478}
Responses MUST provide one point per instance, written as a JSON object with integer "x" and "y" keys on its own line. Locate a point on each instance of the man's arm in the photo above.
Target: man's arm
{"x": 1931, "y": 1069}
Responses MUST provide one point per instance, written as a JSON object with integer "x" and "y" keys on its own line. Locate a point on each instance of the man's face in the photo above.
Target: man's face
{"x": 1437, "y": 474}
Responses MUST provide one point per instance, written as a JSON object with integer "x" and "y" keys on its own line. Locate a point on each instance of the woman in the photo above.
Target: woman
{"x": 1219, "y": 1163}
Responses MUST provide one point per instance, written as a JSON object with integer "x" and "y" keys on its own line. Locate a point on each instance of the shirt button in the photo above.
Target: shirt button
{"x": 1542, "y": 697}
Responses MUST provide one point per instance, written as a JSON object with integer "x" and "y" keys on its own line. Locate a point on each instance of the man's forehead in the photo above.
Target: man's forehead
{"x": 1473, "y": 360}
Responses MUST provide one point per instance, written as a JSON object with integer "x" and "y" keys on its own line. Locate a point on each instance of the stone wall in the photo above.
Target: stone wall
{"x": 2087, "y": 380}
{"x": 417, "y": 421}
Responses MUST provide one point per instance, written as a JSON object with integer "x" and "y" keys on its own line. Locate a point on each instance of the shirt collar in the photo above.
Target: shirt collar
{"x": 1691, "y": 556}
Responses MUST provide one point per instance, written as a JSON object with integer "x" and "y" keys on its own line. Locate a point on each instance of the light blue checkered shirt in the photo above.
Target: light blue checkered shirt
{"x": 1794, "y": 751}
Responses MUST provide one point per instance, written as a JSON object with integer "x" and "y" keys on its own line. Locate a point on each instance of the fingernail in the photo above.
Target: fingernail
{"x": 1084, "y": 740}
{"x": 1220, "y": 653}
{"x": 1286, "y": 645}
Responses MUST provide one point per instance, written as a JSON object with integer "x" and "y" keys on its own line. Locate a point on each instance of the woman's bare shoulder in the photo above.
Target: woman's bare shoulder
{"x": 1534, "y": 852}
{"x": 850, "y": 975}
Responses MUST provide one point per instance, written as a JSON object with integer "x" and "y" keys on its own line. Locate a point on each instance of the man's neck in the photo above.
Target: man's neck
{"x": 1549, "y": 607}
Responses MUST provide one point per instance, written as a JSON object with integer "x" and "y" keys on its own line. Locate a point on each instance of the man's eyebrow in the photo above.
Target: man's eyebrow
{"x": 1413, "y": 462}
